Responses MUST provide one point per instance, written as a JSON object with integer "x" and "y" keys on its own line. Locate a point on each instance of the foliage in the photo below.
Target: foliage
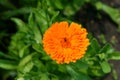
{"x": 27, "y": 59}
{"x": 113, "y": 13}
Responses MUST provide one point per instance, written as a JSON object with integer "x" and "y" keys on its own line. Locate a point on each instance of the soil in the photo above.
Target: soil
{"x": 102, "y": 25}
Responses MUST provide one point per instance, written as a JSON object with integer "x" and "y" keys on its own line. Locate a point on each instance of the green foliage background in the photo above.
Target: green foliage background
{"x": 22, "y": 56}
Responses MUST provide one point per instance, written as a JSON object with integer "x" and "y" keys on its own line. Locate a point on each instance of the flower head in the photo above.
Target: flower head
{"x": 65, "y": 43}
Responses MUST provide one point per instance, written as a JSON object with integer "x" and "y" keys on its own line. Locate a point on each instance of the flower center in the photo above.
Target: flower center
{"x": 65, "y": 43}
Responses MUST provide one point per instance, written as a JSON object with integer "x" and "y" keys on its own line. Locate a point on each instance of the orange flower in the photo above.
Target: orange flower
{"x": 65, "y": 43}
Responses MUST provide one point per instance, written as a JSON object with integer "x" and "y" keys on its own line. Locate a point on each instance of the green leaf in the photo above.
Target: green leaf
{"x": 7, "y": 64}
{"x": 72, "y": 7}
{"x": 20, "y": 78}
{"x": 90, "y": 52}
{"x": 55, "y": 78}
{"x": 3, "y": 55}
{"x": 55, "y": 15}
{"x": 20, "y": 42}
{"x": 112, "y": 12}
{"x": 114, "y": 56}
{"x": 80, "y": 66}
{"x": 38, "y": 48}
{"x": 62, "y": 68}
{"x": 44, "y": 77}
{"x": 106, "y": 48}
{"x": 31, "y": 20}
{"x": 75, "y": 75}
{"x": 40, "y": 66}
{"x": 95, "y": 70}
{"x": 72, "y": 72}
{"x": 42, "y": 19}
{"x": 115, "y": 75}
{"x": 78, "y": 3}
{"x": 21, "y": 25}
{"x": 25, "y": 61}
{"x": 95, "y": 45}
{"x": 69, "y": 10}
{"x": 22, "y": 51}
{"x": 28, "y": 67}
{"x": 55, "y": 4}
{"x": 9, "y": 13}
{"x": 58, "y": 4}
{"x": 102, "y": 56}
{"x": 34, "y": 29}
{"x": 105, "y": 66}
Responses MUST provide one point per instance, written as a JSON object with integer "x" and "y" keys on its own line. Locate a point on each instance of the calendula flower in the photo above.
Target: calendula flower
{"x": 65, "y": 43}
